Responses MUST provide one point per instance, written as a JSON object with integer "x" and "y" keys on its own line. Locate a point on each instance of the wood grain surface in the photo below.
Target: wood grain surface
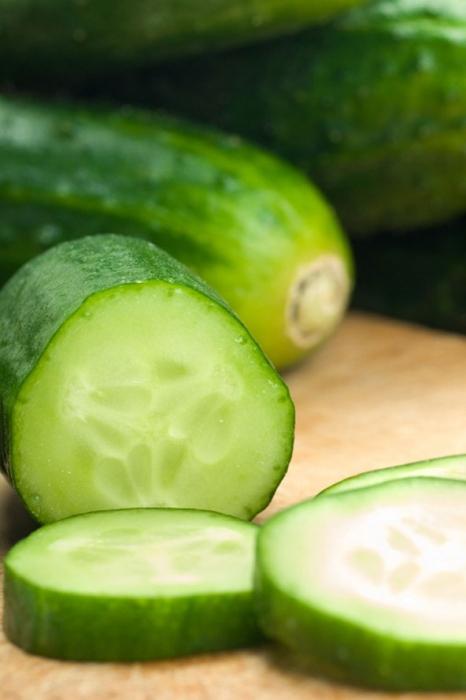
{"x": 380, "y": 393}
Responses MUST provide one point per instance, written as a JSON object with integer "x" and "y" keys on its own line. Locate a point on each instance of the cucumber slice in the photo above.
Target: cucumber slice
{"x": 128, "y": 383}
{"x": 370, "y": 585}
{"x": 132, "y": 585}
{"x": 453, "y": 467}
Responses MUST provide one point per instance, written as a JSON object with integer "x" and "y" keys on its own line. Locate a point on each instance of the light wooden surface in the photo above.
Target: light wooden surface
{"x": 379, "y": 394}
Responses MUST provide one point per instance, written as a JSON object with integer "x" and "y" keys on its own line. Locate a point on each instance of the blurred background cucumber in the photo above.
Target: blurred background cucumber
{"x": 67, "y": 39}
{"x": 373, "y": 107}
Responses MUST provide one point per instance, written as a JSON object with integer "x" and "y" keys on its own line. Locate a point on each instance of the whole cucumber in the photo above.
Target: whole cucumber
{"x": 373, "y": 107}
{"x": 421, "y": 277}
{"x": 251, "y": 225}
{"x": 69, "y": 40}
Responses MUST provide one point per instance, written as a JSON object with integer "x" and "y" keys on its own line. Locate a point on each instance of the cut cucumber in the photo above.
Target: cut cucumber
{"x": 126, "y": 382}
{"x": 370, "y": 585}
{"x": 132, "y": 585}
{"x": 453, "y": 467}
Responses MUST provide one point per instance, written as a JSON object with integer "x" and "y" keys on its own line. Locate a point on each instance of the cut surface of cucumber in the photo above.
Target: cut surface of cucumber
{"x": 132, "y": 584}
{"x": 147, "y": 392}
{"x": 370, "y": 584}
{"x": 451, "y": 467}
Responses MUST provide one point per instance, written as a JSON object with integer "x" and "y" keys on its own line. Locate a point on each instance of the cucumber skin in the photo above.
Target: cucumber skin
{"x": 66, "y": 39}
{"x": 81, "y": 623}
{"x": 46, "y": 292}
{"x": 65, "y": 626}
{"x": 402, "y": 471}
{"x": 208, "y": 199}
{"x": 420, "y": 278}
{"x": 372, "y": 107}
{"x": 373, "y": 656}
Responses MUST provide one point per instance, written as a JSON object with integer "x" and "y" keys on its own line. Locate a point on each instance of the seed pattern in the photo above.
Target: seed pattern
{"x": 184, "y": 556}
{"x": 142, "y": 438}
{"x": 418, "y": 558}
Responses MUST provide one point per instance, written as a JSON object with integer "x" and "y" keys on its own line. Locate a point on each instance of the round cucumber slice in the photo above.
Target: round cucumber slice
{"x": 132, "y": 585}
{"x": 370, "y": 585}
{"x": 452, "y": 467}
{"x": 128, "y": 383}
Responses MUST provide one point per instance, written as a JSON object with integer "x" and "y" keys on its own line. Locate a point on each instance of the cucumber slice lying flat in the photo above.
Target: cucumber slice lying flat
{"x": 453, "y": 467}
{"x": 370, "y": 585}
{"x": 132, "y": 585}
{"x": 126, "y": 382}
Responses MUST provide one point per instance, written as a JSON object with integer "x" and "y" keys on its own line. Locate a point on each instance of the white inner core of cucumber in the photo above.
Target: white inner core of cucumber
{"x": 317, "y": 300}
{"x": 133, "y": 553}
{"x": 407, "y": 560}
{"x": 390, "y": 557}
{"x": 150, "y": 395}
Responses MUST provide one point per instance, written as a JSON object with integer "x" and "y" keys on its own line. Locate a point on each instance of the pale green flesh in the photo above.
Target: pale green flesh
{"x": 139, "y": 553}
{"x": 443, "y": 468}
{"x": 149, "y": 395}
{"x": 391, "y": 558}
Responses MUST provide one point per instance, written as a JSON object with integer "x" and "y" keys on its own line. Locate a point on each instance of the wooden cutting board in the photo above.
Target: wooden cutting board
{"x": 380, "y": 393}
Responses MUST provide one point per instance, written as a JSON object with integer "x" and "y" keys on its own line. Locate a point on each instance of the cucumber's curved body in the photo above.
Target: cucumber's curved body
{"x": 132, "y": 585}
{"x": 69, "y": 40}
{"x": 249, "y": 224}
{"x": 373, "y": 107}
{"x": 420, "y": 277}
{"x": 126, "y": 382}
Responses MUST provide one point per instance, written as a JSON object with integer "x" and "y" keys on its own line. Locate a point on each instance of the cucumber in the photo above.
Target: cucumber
{"x": 453, "y": 467}
{"x": 373, "y": 107}
{"x": 132, "y": 585}
{"x": 421, "y": 277}
{"x": 368, "y": 585}
{"x": 126, "y": 382}
{"x": 66, "y": 41}
{"x": 251, "y": 226}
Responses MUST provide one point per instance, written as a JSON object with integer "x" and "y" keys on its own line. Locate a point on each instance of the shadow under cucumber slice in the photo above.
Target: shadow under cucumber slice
{"x": 132, "y": 585}
{"x": 127, "y": 382}
{"x": 371, "y": 583}
{"x": 452, "y": 467}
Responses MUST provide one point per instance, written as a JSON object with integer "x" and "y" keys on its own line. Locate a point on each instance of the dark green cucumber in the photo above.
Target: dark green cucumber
{"x": 125, "y": 382}
{"x": 132, "y": 585}
{"x": 452, "y": 467}
{"x": 249, "y": 224}
{"x": 372, "y": 107}
{"x": 421, "y": 277}
{"x": 368, "y": 586}
{"x": 69, "y": 39}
